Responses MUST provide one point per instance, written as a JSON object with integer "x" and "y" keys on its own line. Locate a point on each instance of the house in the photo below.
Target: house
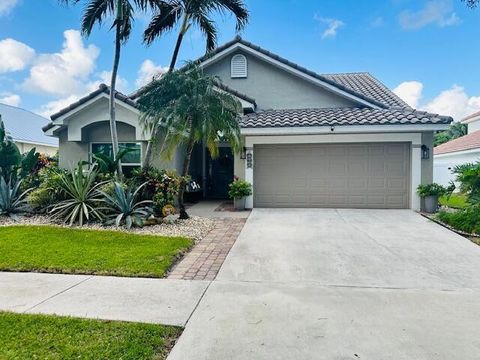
{"x": 25, "y": 128}
{"x": 311, "y": 140}
{"x": 463, "y": 150}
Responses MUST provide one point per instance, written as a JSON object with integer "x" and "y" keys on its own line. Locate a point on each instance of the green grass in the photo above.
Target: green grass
{"x": 43, "y": 337}
{"x": 467, "y": 220}
{"x": 76, "y": 251}
{"x": 456, "y": 201}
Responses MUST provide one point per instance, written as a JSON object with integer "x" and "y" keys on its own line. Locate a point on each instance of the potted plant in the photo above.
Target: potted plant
{"x": 239, "y": 190}
{"x": 431, "y": 193}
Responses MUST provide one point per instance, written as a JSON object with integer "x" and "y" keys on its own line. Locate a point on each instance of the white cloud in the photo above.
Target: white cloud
{"x": 65, "y": 72}
{"x": 7, "y": 5}
{"x": 147, "y": 71}
{"x": 14, "y": 55}
{"x": 332, "y": 26}
{"x": 10, "y": 99}
{"x": 454, "y": 102}
{"x": 410, "y": 92}
{"x": 377, "y": 22}
{"x": 105, "y": 77}
{"x": 439, "y": 12}
{"x": 54, "y": 106}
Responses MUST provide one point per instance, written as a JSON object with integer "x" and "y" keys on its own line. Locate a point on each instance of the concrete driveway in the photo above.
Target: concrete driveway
{"x": 340, "y": 284}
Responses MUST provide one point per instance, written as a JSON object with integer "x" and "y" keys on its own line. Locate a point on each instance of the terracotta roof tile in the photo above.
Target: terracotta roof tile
{"x": 466, "y": 142}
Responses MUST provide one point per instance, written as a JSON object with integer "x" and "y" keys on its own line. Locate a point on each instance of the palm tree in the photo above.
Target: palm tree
{"x": 192, "y": 12}
{"x": 189, "y": 109}
{"x": 96, "y": 11}
{"x": 196, "y": 12}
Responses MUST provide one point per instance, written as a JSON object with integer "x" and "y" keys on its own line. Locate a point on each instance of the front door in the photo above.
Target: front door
{"x": 220, "y": 173}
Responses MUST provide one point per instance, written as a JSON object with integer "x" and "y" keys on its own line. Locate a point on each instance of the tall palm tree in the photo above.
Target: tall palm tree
{"x": 122, "y": 11}
{"x": 189, "y": 12}
{"x": 189, "y": 109}
{"x": 192, "y": 12}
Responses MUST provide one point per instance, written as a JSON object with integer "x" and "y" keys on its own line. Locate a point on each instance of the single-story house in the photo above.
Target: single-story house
{"x": 463, "y": 150}
{"x": 25, "y": 128}
{"x": 311, "y": 140}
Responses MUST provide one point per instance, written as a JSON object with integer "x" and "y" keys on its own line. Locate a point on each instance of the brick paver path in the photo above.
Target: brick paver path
{"x": 207, "y": 257}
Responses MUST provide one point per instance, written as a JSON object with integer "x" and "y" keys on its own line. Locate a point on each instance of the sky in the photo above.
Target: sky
{"x": 425, "y": 50}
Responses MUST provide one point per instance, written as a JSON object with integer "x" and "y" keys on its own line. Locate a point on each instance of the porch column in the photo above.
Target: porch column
{"x": 416, "y": 174}
{"x": 249, "y": 175}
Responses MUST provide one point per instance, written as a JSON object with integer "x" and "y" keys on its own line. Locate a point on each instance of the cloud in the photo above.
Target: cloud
{"x": 454, "y": 102}
{"x": 410, "y": 92}
{"x": 65, "y": 72}
{"x": 332, "y": 26}
{"x": 14, "y": 55}
{"x": 105, "y": 77}
{"x": 147, "y": 71}
{"x": 7, "y": 5}
{"x": 10, "y": 99}
{"x": 54, "y": 106}
{"x": 439, "y": 12}
{"x": 377, "y": 22}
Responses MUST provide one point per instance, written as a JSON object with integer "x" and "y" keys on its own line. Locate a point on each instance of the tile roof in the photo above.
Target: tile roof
{"x": 23, "y": 125}
{"x": 340, "y": 116}
{"x": 466, "y": 142}
{"x": 368, "y": 85}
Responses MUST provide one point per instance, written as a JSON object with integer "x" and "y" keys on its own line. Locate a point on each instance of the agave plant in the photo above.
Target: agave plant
{"x": 124, "y": 209}
{"x": 12, "y": 202}
{"x": 83, "y": 199}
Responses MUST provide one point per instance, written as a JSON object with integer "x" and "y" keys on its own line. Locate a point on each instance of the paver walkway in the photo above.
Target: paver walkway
{"x": 207, "y": 257}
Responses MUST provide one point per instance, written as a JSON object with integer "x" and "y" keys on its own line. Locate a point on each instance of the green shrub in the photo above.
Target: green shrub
{"x": 468, "y": 175}
{"x": 467, "y": 220}
{"x": 239, "y": 189}
{"x": 49, "y": 192}
{"x": 433, "y": 189}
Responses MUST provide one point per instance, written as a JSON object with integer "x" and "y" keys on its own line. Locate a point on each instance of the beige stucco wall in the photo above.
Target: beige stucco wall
{"x": 274, "y": 88}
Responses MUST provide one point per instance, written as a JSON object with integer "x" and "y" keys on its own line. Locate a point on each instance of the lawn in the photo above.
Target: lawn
{"x": 456, "y": 201}
{"x": 76, "y": 251}
{"x": 50, "y": 337}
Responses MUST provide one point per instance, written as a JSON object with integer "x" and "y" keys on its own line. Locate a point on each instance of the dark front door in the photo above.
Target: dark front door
{"x": 220, "y": 174}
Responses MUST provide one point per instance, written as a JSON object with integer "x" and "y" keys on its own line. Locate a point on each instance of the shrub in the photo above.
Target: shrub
{"x": 12, "y": 201}
{"x": 49, "y": 192}
{"x": 124, "y": 209}
{"x": 239, "y": 189}
{"x": 431, "y": 190}
{"x": 467, "y": 220}
{"x": 468, "y": 175}
{"x": 82, "y": 198}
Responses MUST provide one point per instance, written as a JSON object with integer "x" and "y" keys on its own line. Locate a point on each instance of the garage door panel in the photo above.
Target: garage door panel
{"x": 372, "y": 175}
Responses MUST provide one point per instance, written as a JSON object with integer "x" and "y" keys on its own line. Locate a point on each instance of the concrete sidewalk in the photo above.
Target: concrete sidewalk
{"x": 159, "y": 301}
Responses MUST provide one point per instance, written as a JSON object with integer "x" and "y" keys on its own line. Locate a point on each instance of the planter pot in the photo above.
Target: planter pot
{"x": 431, "y": 204}
{"x": 239, "y": 204}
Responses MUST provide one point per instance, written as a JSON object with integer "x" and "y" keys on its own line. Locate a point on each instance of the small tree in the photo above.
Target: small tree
{"x": 189, "y": 109}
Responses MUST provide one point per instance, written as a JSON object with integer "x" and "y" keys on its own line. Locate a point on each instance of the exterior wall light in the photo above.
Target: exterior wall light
{"x": 425, "y": 152}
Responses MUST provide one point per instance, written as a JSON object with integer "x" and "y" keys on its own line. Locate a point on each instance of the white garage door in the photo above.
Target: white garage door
{"x": 364, "y": 175}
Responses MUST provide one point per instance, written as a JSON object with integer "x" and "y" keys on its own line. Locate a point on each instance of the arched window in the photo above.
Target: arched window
{"x": 239, "y": 66}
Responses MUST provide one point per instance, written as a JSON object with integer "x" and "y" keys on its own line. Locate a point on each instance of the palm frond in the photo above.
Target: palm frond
{"x": 164, "y": 20}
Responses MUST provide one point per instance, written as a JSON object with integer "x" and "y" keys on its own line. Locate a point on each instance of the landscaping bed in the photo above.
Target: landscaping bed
{"x": 85, "y": 251}
{"x": 25, "y": 336}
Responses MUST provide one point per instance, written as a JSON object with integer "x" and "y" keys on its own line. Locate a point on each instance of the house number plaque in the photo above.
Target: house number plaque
{"x": 249, "y": 160}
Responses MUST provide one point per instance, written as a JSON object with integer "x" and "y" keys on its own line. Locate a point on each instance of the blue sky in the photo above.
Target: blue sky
{"x": 426, "y": 50}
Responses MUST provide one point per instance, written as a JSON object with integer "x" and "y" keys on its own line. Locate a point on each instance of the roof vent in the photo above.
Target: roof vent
{"x": 239, "y": 66}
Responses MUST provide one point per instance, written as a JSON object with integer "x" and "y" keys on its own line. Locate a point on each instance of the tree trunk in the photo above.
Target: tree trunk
{"x": 181, "y": 34}
{"x": 116, "y": 62}
{"x": 186, "y": 167}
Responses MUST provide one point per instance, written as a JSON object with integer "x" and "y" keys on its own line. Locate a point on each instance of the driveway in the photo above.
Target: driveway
{"x": 340, "y": 284}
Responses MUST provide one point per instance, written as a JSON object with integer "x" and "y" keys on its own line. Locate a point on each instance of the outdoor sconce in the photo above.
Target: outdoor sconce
{"x": 425, "y": 152}
{"x": 243, "y": 154}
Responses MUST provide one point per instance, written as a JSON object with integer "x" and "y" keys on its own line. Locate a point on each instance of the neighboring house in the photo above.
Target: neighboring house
{"x": 336, "y": 140}
{"x": 25, "y": 128}
{"x": 463, "y": 150}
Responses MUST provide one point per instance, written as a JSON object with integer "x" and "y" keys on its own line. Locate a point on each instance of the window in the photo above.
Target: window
{"x": 239, "y": 66}
{"x": 132, "y": 160}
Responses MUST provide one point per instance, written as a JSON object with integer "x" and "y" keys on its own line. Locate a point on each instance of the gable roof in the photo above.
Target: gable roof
{"x": 466, "y": 142}
{"x": 342, "y": 85}
{"x": 25, "y": 126}
{"x": 341, "y": 116}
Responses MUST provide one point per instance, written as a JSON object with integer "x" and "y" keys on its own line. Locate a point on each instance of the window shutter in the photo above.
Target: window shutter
{"x": 239, "y": 66}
